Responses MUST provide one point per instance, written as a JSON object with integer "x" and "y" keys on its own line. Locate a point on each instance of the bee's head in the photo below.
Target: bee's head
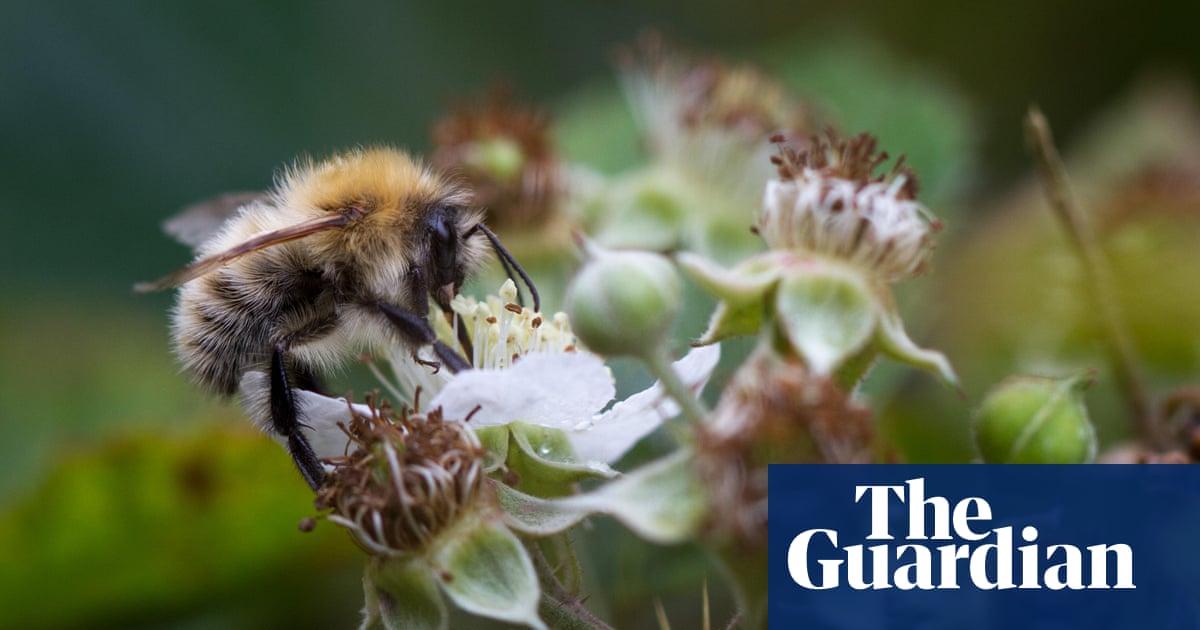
{"x": 400, "y": 216}
{"x": 454, "y": 245}
{"x": 456, "y": 239}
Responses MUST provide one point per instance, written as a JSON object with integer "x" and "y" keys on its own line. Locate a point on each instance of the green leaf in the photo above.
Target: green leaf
{"x": 169, "y": 523}
{"x": 402, "y": 594}
{"x": 866, "y": 87}
{"x": 596, "y": 128}
{"x": 485, "y": 571}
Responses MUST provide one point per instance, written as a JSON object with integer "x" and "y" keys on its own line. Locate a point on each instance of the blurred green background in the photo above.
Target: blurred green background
{"x": 128, "y": 500}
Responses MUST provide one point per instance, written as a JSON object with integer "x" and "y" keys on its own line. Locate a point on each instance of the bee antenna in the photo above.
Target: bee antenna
{"x": 510, "y": 264}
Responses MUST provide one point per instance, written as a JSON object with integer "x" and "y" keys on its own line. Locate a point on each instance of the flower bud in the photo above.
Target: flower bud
{"x": 1033, "y": 420}
{"x": 623, "y": 303}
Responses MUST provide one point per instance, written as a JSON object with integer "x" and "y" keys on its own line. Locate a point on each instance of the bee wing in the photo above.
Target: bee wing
{"x": 220, "y": 259}
{"x": 199, "y": 221}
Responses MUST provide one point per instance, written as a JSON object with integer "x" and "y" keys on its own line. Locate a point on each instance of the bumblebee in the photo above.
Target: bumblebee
{"x": 340, "y": 254}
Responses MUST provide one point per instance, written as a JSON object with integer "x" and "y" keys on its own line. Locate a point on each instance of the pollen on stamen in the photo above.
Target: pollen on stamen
{"x": 508, "y": 291}
{"x": 502, "y": 331}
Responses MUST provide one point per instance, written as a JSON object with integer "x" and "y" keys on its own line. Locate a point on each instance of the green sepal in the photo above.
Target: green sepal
{"x": 894, "y": 341}
{"x": 500, "y": 157}
{"x": 484, "y": 570}
{"x": 826, "y": 315}
{"x": 546, "y": 463}
{"x": 663, "y": 502}
{"x": 644, "y": 210}
{"x": 742, "y": 291}
{"x": 495, "y": 440}
{"x": 725, "y": 238}
{"x": 535, "y": 516}
{"x": 402, "y": 594}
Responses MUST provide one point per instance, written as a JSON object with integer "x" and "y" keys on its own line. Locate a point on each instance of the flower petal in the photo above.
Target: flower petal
{"x": 319, "y": 415}
{"x": 615, "y": 431}
{"x": 554, "y": 390}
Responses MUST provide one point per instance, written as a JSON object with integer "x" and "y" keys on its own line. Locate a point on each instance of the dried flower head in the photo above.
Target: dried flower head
{"x": 505, "y": 152}
{"x": 405, "y": 478}
{"x": 775, "y": 411}
{"x": 828, "y": 200}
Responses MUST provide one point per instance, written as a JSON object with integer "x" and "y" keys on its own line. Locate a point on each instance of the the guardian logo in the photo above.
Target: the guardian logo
{"x": 948, "y": 546}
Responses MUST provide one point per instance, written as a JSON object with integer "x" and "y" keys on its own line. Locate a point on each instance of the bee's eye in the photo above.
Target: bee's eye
{"x": 443, "y": 243}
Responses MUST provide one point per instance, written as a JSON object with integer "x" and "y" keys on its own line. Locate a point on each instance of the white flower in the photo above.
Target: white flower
{"x": 319, "y": 415}
{"x": 569, "y": 392}
{"x": 528, "y": 369}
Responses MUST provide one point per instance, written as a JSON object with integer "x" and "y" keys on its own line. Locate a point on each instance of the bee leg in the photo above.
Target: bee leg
{"x": 415, "y": 329}
{"x": 416, "y": 286}
{"x": 285, "y": 420}
{"x": 413, "y": 325}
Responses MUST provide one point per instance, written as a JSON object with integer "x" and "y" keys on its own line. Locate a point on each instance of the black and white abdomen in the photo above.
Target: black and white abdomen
{"x": 230, "y": 321}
